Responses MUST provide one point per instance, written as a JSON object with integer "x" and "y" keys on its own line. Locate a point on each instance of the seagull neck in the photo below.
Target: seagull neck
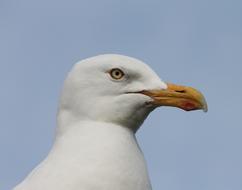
{"x": 67, "y": 122}
{"x": 73, "y": 131}
{"x": 95, "y": 136}
{"x": 92, "y": 129}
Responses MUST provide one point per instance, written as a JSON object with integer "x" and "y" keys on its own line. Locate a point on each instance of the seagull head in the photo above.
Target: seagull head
{"x": 120, "y": 90}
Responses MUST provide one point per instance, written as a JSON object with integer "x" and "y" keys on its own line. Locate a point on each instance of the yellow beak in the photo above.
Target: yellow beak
{"x": 186, "y": 98}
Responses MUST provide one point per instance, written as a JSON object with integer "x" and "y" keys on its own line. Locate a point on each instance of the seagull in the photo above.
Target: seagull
{"x": 104, "y": 101}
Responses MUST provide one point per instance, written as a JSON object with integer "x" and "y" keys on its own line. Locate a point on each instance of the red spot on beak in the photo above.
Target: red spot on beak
{"x": 189, "y": 106}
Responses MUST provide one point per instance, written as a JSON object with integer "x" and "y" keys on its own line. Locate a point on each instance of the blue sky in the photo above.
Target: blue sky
{"x": 196, "y": 43}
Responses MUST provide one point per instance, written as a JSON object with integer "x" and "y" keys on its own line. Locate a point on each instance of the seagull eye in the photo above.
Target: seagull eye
{"x": 116, "y": 74}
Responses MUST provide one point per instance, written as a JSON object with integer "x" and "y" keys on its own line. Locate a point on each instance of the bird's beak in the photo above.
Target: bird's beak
{"x": 186, "y": 98}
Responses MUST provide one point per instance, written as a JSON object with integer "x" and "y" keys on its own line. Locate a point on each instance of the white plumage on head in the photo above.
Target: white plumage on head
{"x": 90, "y": 93}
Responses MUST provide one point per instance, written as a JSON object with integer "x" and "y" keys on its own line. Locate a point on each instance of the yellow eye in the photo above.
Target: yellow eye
{"x": 116, "y": 73}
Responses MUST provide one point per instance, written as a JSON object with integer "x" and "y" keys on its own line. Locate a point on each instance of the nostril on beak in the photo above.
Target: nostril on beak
{"x": 180, "y": 91}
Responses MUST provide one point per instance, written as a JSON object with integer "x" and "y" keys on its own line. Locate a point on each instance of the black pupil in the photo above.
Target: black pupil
{"x": 117, "y": 73}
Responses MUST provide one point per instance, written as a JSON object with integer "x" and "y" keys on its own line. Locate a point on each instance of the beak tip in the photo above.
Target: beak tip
{"x": 205, "y": 110}
{"x": 205, "y": 106}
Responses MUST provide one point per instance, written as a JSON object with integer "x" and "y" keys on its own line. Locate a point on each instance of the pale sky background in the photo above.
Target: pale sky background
{"x": 197, "y": 43}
